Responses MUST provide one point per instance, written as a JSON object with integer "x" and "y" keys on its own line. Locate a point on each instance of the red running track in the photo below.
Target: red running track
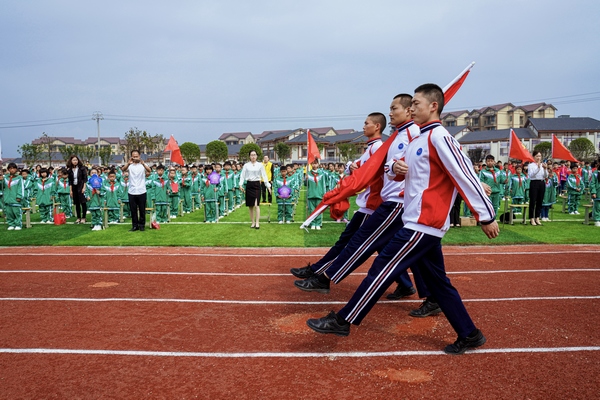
{"x": 223, "y": 323}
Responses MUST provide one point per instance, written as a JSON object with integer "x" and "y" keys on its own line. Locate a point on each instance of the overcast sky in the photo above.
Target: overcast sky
{"x": 232, "y": 66}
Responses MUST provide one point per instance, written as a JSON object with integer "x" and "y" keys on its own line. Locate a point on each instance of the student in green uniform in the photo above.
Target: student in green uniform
{"x": 227, "y": 179}
{"x": 221, "y": 191}
{"x": 284, "y": 203}
{"x": 124, "y": 182}
{"x": 44, "y": 189}
{"x": 518, "y": 184}
{"x": 161, "y": 195}
{"x": 185, "y": 189}
{"x": 112, "y": 191}
{"x": 95, "y": 201}
{"x": 575, "y": 188}
{"x": 28, "y": 187}
{"x": 209, "y": 196}
{"x": 63, "y": 192}
{"x": 13, "y": 192}
{"x": 595, "y": 192}
{"x": 316, "y": 190}
{"x": 173, "y": 190}
{"x": 493, "y": 177}
{"x": 195, "y": 177}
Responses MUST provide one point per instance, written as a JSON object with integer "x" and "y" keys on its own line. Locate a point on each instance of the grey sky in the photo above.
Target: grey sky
{"x": 267, "y": 60}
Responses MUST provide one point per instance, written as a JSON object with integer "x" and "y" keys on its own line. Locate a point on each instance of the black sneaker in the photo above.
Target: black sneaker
{"x": 314, "y": 284}
{"x": 426, "y": 309}
{"x": 302, "y": 273}
{"x": 329, "y": 324}
{"x": 401, "y": 292}
{"x": 476, "y": 339}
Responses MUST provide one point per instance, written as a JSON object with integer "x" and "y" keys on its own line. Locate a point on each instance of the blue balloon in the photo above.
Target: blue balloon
{"x": 95, "y": 182}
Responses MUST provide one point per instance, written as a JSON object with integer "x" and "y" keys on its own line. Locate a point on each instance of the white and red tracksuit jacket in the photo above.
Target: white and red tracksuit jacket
{"x": 369, "y": 199}
{"x": 393, "y": 190}
{"x": 437, "y": 168}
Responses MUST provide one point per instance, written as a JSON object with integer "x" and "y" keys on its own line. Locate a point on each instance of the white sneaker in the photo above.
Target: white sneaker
{"x": 11, "y": 228}
{"x": 173, "y": 217}
{"x": 288, "y": 222}
{"x": 96, "y": 228}
{"x": 280, "y": 222}
{"x": 571, "y": 213}
{"x": 318, "y": 228}
{"x": 313, "y": 227}
{"x": 577, "y": 212}
{"x": 17, "y": 228}
{"x": 597, "y": 223}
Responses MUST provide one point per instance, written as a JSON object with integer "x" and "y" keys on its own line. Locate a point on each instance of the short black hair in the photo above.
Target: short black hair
{"x": 11, "y": 165}
{"x": 135, "y": 151}
{"x": 160, "y": 166}
{"x": 405, "y": 99}
{"x": 489, "y": 157}
{"x": 380, "y": 119}
{"x": 433, "y": 93}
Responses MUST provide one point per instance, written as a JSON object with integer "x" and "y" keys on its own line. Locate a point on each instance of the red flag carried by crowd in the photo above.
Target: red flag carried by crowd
{"x": 372, "y": 170}
{"x": 175, "y": 152}
{"x": 517, "y": 150}
{"x": 560, "y": 152}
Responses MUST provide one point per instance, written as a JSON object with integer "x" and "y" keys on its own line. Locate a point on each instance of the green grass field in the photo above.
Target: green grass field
{"x": 234, "y": 231}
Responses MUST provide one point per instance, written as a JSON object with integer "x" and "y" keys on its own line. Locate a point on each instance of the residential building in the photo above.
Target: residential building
{"x": 499, "y": 116}
{"x": 237, "y": 138}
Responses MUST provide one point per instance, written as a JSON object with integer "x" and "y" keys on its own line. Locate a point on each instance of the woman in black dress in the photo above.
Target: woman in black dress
{"x": 77, "y": 181}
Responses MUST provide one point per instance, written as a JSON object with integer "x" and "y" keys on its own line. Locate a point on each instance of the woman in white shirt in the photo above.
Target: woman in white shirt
{"x": 537, "y": 174}
{"x": 252, "y": 173}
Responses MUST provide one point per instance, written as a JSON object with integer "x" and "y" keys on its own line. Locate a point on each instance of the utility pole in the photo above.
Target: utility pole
{"x": 98, "y": 116}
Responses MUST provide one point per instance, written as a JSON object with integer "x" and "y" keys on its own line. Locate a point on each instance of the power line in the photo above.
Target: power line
{"x": 44, "y": 124}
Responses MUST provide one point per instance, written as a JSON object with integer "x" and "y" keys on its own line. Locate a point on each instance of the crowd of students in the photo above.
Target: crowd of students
{"x": 512, "y": 181}
{"x": 169, "y": 191}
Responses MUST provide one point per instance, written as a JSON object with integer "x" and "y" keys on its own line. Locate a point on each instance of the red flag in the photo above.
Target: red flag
{"x": 560, "y": 152}
{"x": 517, "y": 150}
{"x": 313, "y": 150}
{"x": 451, "y": 88}
{"x": 175, "y": 152}
{"x": 372, "y": 170}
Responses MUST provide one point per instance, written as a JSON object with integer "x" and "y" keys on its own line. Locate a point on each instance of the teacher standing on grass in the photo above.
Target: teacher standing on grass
{"x": 252, "y": 173}
{"x": 537, "y": 174}
{"x": 138, "y": 171}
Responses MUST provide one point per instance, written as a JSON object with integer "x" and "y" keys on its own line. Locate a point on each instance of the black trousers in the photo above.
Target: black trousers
{"x": 536, "y": 197}
{"x": 266, "y": 196}
{"x": 137, "y": 205}
{"x": 79, "y": 202}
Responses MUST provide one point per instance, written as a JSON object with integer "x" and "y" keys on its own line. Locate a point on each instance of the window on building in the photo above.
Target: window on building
{"x": 475, "y": 121}
{"x": 450, "y": 123}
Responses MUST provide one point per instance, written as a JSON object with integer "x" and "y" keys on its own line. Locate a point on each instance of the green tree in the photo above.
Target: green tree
{"x": 582, "y": 149}
{"x": 31, "y": 153}
{"x": 283, "y": 151}
{"x": 142, "y": 141}
{"x": 190, "y": 152}
{"x": 545, "y": 148}
{"x": 105, "y": 155}
{"x": 86, "y": 154}
{"x": 347, "y": 151}
{"x": 246, "y": 149}
{"x": 216, "y": 151}
{"x": 47, "y": 146}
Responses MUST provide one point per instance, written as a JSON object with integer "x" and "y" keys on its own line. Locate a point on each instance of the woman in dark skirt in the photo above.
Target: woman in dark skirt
{"x": 252, "y": 173}
{"x": 77, "y": 181}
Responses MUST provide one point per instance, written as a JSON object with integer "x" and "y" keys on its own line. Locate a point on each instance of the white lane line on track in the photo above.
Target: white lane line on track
{"x": 273, "y": 302}
{"x": 160, "y": 254}
{"x": 232, "y": 274}
{"x": 357, "y": 354}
